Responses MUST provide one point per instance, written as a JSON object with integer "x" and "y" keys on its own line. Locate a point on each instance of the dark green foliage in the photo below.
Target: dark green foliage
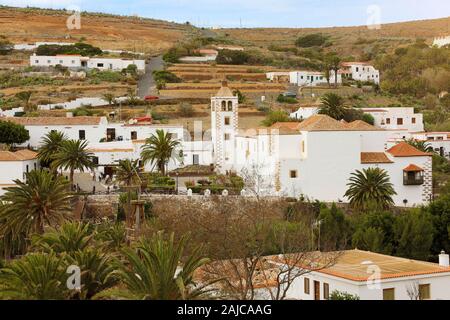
{"x": 11, "y": 133}
{"x": 311, "y": 40}
{"x": 282, "y": 99}
{"x": 5, "y": 46}
{"x": 239, "y": 57}
{"x": 276, "y": 116}
{"x": 337, "y": 295}
{"x": 335, "y": 228}
{"x": 166, "y": 76}
{"x": 82, "y": 49}
{"x": 440, "y": 213}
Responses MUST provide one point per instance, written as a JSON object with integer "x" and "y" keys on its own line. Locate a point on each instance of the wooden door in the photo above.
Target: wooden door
{"x": 316, "y": 290}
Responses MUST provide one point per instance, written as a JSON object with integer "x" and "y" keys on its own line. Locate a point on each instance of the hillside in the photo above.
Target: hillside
{"x": 345, "y": 40}
{"x": 27, "y": 25}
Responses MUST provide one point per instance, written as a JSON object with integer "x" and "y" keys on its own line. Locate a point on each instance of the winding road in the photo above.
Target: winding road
{"x": 147, "y": 84}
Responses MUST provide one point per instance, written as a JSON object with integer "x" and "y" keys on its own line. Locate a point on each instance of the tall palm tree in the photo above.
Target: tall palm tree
{"x": 155, "y": 270}
{"x": 128, "y": 173}
{"x": 334, "y": 62}
{"x": 420, "y": 145}
{"x": 50, "y": 145}
{"x": 332, "y": 106}
{"x": 370, "y": 187}
{"x": 36, "y": 276}
{"x": 159, "y": 149}
{"x": 71, "y": 237}
{"x": 41, "y": 200}
{"x": 73, "y": 155}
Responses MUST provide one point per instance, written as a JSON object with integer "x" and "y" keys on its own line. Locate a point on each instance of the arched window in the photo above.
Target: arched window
{"x": 224, "y": 106}
{"x": 230, "y": 105}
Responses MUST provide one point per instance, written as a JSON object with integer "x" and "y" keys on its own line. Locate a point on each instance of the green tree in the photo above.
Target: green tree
{"x": 240, "y": 95}
{"x": 370, "y": 188}
{"x": 5, "y": 46}
{"x": 159, "y": 149}
{"x": 440, "y": 213}
{"x": 11, "y": 133}
{"x": 370, "y": 239}
{"x": 29, "y": 206}
{"x": 128, "y": 173}
{"x": 68, "y": 239}
{"x": 50, "y": 144}
{"x": 335, "y": 228}
{"x": 25, "y": 97}
{"x": 337, "y": 295}
{"x": 276, "y": 116}
{"x": 73, "y": 155}
{"x": 159, "y": 269}
{"x": 333, "y": 106}
{"x": 311, "y": 40}
{"x": 36, "y": 276}
{"x": 414, "y": 234}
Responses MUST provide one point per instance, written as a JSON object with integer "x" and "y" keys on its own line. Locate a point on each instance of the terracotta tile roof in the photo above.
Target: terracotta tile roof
{"x": 286, "y": 125}
{"x": 404, "y": 149}
{"x": 348, "y": 64}
{"x": 413, "y": 168}
{"x": 21, "y": 155}
{"x": 110, "y": 150}
{"x": 374, "y": 157}
{"x": 322, "y": 123}
{"x": 54, "y": 121}
{"x": 360, "y": 125}
{"x": 353, "y": 265}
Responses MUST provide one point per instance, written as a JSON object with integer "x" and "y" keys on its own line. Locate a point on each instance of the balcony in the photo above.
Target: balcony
{"x": 409, "y": 181}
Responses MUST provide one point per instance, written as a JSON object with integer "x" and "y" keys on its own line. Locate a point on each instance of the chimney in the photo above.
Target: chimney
{"x": 444, "y": 259}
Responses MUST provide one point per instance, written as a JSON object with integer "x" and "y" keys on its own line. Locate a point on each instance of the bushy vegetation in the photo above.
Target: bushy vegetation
{"x": 80, "y": 48}
{"x": 276, "y": 116}
{"x": 311, "y": 40}
{"x": 96, "y": 76}
{"x": 5, "y": 45}
{"x": 11, "y": 133}
{"x": 16, "y": 79}
{"x": 240, "y": 57}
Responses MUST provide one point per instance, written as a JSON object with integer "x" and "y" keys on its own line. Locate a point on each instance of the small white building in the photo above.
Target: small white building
{"x": 397, "y": 119}
{"x": 373, "y": 276}
{"x": 77, "y": 62}
{"x": 304, "y": 113}
{"x": 360, "y": 71}
{"x": 441, "y": 41}
{"x": 312, "y": 78}
{"x": 279, "y": 76}
{"x": 15, "y": 166}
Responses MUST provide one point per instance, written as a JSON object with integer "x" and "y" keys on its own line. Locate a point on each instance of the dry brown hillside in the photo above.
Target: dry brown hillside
{"x": 106, "y": 31}
{"x": 345, "y": 39}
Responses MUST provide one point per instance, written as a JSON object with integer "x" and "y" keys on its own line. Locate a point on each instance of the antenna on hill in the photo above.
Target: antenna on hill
{"x": 240, "y": 22}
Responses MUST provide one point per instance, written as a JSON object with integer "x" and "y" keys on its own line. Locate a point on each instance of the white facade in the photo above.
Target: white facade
{"x": 397, "y": 119}
{"x": 433, "y": 278}
{"x": 14, "y": 166}
{"x": 79, "y": 102}
{"x": 360, "y": 71}
{"x": 75, "y": 61}
{"x": 304, "y": 113}
{"x": 312, "y": 78}
{"x": 441, "y": 41}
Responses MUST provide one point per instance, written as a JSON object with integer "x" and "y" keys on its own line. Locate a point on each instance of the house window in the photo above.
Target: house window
{"x": 226, "y": 136}
{"x": 326, "y": 291}
{"x": 48, "y": 61}
{"x": 195, "y": 159}
{"x": 303, "y": 147}
{"x": 389, "y": 294}
{"x": 357, "y": 69}
{"x": 413, "y": 120}
{"x": 73, "y": 61}
{"x": 61, "y": 62}
{"x": 388, "y": 121}
{"x": 424, "y": 292}
{"x": 293, "y": 174}
{"x": 82, "y": 134}
{"x": 400, "y": 121}
{"x": 37, "y": 61}
{"x": 35, "y": 166}
{"x": 28, "y": 168}
{"x": 227, "y": 121}
{"x": 100, "y": 65}
{"x": 306, "y": 285}
{"x": 95, "y": 160}
{"x": 133, "y": 135}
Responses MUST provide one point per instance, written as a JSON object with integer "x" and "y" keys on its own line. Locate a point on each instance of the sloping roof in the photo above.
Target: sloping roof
{"x": 404, "y": 149}
{"x": 286, "y": 125}
{"x": 360, "y": 125}
{"x": 348, "y": 64}
{"x": 54, "y": 121}
{"x": 21, "y": 155}
{"x": 322, "y": 122}
{"x": 353, "y": 265}
{"x": 224, "y": 91}
{"x": 413, "y": 168}
{"x": 374, "y": 157}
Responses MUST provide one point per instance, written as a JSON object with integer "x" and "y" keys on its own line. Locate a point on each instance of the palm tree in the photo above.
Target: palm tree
{"x": 420, "y": 145}
{"x": 73, "y": 155}
{"x": 50, "y": 145}
{"x": 71, "y": 237}
{"x": 128, "y": 172}
{"x": 370, "y": 187}
{"x": 155, "y": 271}
{"x": 334, "y": 62}
{"x": 333, "y": 106}
{"x": 36, "y": 276}
{"x": 159, "y": 149}
{"x": 25, "y": 97}
{"x": 42, "y": 200}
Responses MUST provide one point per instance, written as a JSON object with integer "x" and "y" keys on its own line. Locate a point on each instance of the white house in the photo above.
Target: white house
{"x": 438, "y": 141}
{"x": 304, "y": 112}
{"x": 315, "y": 158}
{"x": 312, "y": 78}
{"x": 397, "y": 119}
{"x": 278, "y": 76}
{"x": 15, "y": 165}
{"x": 77, "y": 61}
{"x": 441, "y": 41}
{"x": 360, "y": 71}
{"x": 372, "y": 276}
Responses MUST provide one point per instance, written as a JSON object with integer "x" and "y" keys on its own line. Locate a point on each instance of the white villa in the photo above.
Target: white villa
{"x": 405, "y": 119}
{"x": 360, "y": 71}
{"x": 15, "y": 165}
{"x": 369, "y": 276}
{"x": 303, "y": 78}
{"x": 78, "y": 62}
{"x": 314, "y": 158}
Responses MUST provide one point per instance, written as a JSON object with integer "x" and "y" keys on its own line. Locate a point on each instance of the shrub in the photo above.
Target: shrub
{"x": 311, "y": 40}
{"x": 276, "y": 116}
{"x": 337, "y": 295}
{"x": 11, "y": 133}
{"x": 282, "y": 99}
{"x": 82, "y": 49}
{"x": 166, "y": 77}
{"x": 186, "y": 110}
